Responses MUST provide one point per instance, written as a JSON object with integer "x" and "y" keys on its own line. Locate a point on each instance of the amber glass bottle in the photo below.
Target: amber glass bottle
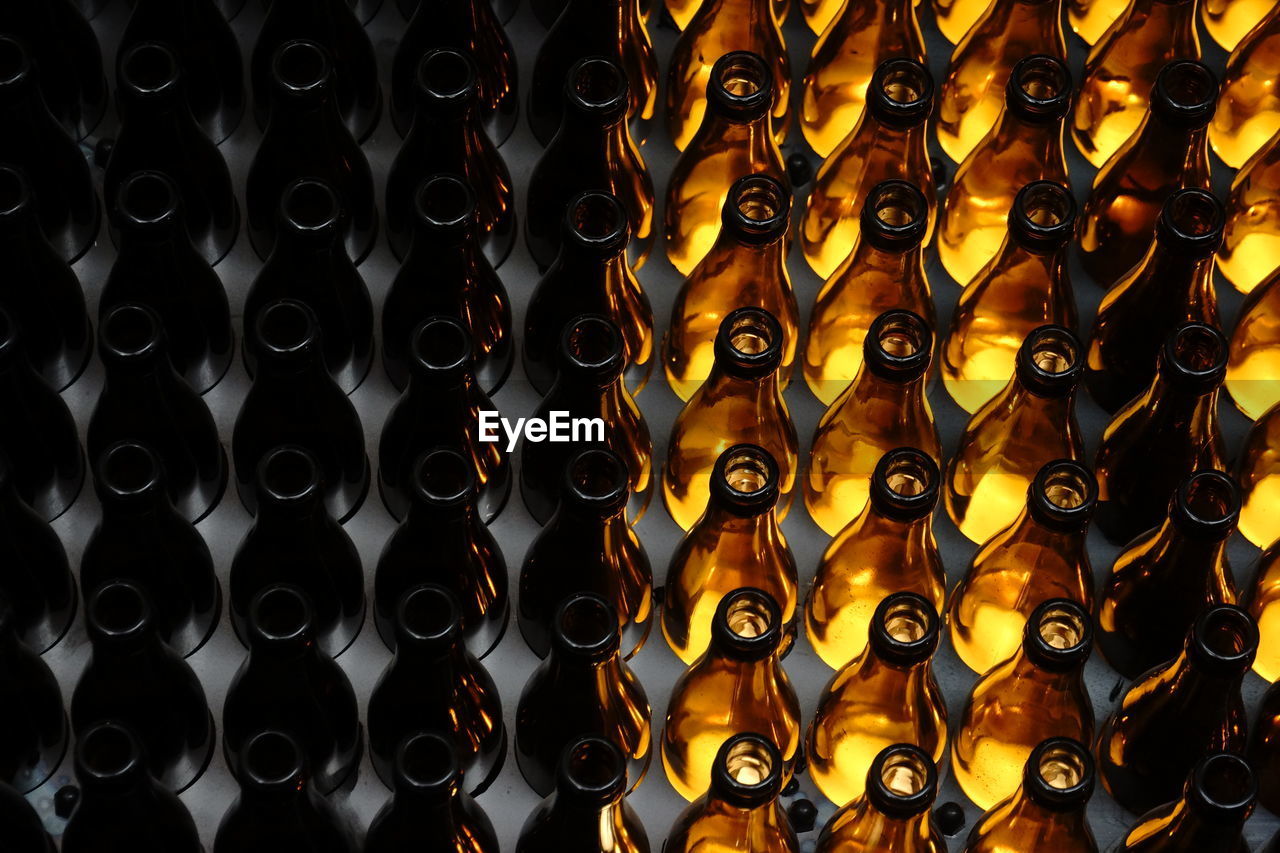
{"x": 1229, "y": 22}
{"x": 889, "y": 547}
{"x": 1025, "y": 286}
{"x": 737, "y": 686}
{"x": 885, "y": 695}
{"x": 1264, "y": 598}
{"x": 884, "y": 407}
{"x": 1174, "y": 714}
{"x": 893, "y": 815}
{"x": 1248, "y": 111}
{"x": 1257, "y": 472}
{"x": 1264, "y": 749}
{"x": 1250, "y": 252}
{"x": 1037, "y": 693}
{"x": 887, "y": 143}
{"x": 1091, "y": 18}
{"x": 884, "y": 270}
{"x": 1005, "y": 443}
{"x": 740, "y": 403}
{"x": 1168, "y": 150}
{"x": 1024, "y": 146}
{"x": 1172, "y": 284}
{"x": 1254, "y": 356}
{"x": 1208, "y": 817}
{"x": 1165, "y": 433}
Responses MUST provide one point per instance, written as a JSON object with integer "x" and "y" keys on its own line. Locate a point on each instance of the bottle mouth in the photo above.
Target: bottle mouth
{"x": 904, "y": 629}
{"x": 748, "y": 623}
{"x": 741, "y": 85}
{"x": 446, "y": 77}
{"x": 757, "y": 210}
{"x": 1063, "y": 495}
{"x": 443, "y": 477}
{"x": 118, "y": 609}
{"x": 1059, "y": 635}
{"x": 274, "y": 760}
{"x": 129, "y": 332}
{"x": 901, "y": 93}
{"x": 597, "y": 86}
{"x": 310, "y": 206}
{"x": 747, "y": 772}
{"x": 592, "y": 345}
{"x": 427, "y": 761}
{"x": 1185, "y": 94}
{"x": 1206, "y": 505}
{"x": 302, "y": 68}
{"x": 1049, "y": 362}
{"x": 280, "y": 613}
{"x": 592, "y": 769}
{"x": 1194, "y": 356}
{"x": 150, "y": 70}
{"x": 902, "y": 781}
{"x": 148, "y": 200}
{"x": 15, "y": 61}
{"x": 597, "y": 478}
{"x": 898, "y": 346}
{"x": 1222, "y": 787}
{"x": 445, "y": 203}
{"x": 905, "y": 484}
{"x": 1039, "y": 89}
{"x": 1043, "y": 217}
{"x": 1059, "y": 774}
{"x": 895, "y": 216}
{"x": 15, "y": 192}
{"x": 748, "y": 344}
{"x": 441, "y": 346}
{"x": 585, "y": 626}
{"x": 429, "y": 613}
{"x": 1224, "y": 638}
{"x": 288, "y": 475}
{"x": 1191, "y": 223}
{"x": 745, "y": 480}
{"x": 108, "y": 752}
{"x": 129, "y": 470}
{"x": 597, "y": 222}
{"x": 287, "y": 329}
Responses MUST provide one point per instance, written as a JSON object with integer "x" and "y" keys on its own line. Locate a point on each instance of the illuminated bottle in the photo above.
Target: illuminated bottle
{"x": 1041, "y": 555}
{"x": 1250, "y": 252}
{"x": 1208, "y": 817}
{"x": 1024, "y": 146}
{"x": 1025, "y": 286}
{"x": 885, "y": 270}
{"x": 740, "y": 403}
{"x": 682, "y": 11}
{"x": 1172, "y": 284}
{"x": 1164, "y": 434}
{"x": 888, "y": 143}
{"x": 885, "y": 407}
{"x": 1229, "y": 21}
{"x": 1176, "y": 713}
{"x": 735, "y": 543}
{"x": 1029, "y": 423}
{"x": 738, "y": 686}
{"x": 973, "y": 90}
{"x": 1091, "y": 18}
{"x": 888, "y": 548}
{"x": 1254, "y": 356}
{"x": 1264, "y": 606}
{"x": 1037, "y": 693}
{"x": 1248, "y": 113}
{"x": 1168, "y": 150}
{"x": 1257, "y": 472}
{"x": 893, "y": 815}
{"x": 885, "y": 695}
{"x": 1264, "y": 750}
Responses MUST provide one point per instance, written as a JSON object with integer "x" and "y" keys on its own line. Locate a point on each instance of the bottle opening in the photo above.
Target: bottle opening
{"x": 598, "y": 83}
{"x": 13, "y": 187}
{"x": 903, "y": 81}
{"x": 130, "y": 330}
{"x": 1228, "y": 632}
{"x": 289, "y": 474}
{"x": 14, "y": 62}
{"x": 1226, "y": 782}
{"x": 272, "y": 758}
{"x": 907, "y": 622}
{"x": 593, "y": 342}
{"x": 444, "y": 476}
{"x": 751, "y": 332}
{"x": 427, "y": 760}
{"x": 594, "y": 765}
{"x": 281, "y": 612}
{"x": 1199, "y": 349}
{"x": 442, "y": 343}
{"x": 748, "y": 616}
{"x": 907, "y": 476}
{"x": 587, "y": 623}
{"x": 760, "y": 200}
{"x": 1054, "y": 353}
{"x": 741, "y": 75}
{"x": 598, "y": 475}
{"x": 1046, "y": 205}
{"x": 1042, "y": 78}
{"x": 898, "y": 204}
{"x": 447, "y": 74}
{"x": 1211, "y": 497}
{"x": 906, "y": 773}
{"x": 129, "y": 469}
{"x": 148, "y": 197}
{"x": 149, "y": 68}
{"x": 1195, "y": 213}
{"x": 598, "y": 217}
{"x": 1067, "y": 488}
{"x": 428, "y": 611}
{"x": 902, "y": 337}
{"x": 119, "y": 608}
{"x": 1188, "y": 85}
{"x": 311, "y": 205}
{"x": 1062, "y": 767}
{"x": 1061, "y": 628}
{"x": 749, "y": 762}
{"x": 747, "y": 473}
{"x": 286, "y": 326}
{"x": 301, "y": 65}
{"x": 444, "y": 200}
{"x": 107, "y": 750}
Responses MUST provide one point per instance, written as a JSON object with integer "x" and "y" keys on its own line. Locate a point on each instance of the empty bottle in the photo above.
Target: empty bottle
{"x": 33, "y": 726}
{"x": 65, "y": 49}
{"x": 24, "y": 829}
{"x": 1248, "y": 113}
{"x": 1251, "y": 237}
{"x": 1262, "y": 599}
{"x": 1257, "y": 472}
{"x": 1210, "y": 814}
{"x": 1251, "y": 363}
{"x": 1263, "y": 746}
{"x": 680, "y": 12}
{"x": 35, "y": 576}
{"x": 893, "y": 815}
{"x": 1090, "y": 19}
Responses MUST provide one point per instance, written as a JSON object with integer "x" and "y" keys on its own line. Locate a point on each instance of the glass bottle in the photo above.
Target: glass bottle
{"x": 1090, "y": 19}
{"x": 33, "y": 726}
{"x": 588, "y": 546}
{"x": 24, "y": 828}
{"x": 1228, "y": 23}
{"x": 1024, "y": 146}
{"x": 1172, "y": 284}
{"x": 1041, "y": 555}
{"x": 65, "y": 48}
{"x": 1251, "y": 241}
{"x": 1248, "y": 113}
{"x": 818, "y": 14}
{"x": 893, "y": 815}
{"x": 1164, "y": 434}
{"x": 885, "y": 695}
{"x": 736, "y": 542}
{"x": 1252, "y": 360}
{"x": 888, "y": 143}
{"x": 883, "y": 408}
{"x": 1262, "y": 598}
{"x": 1168, "y": 150}
{"x": 1037, "y": 693}
{"x": 1263, "y": 746}
{"x": 35, "y": 575}
{"x": 1176, "y": 713}
{"x": 682, "y": 11}
{"x": 889, "y": 547}
{"x": 1217, "y": 799}
{"x": 737, "y": 686}
{"x": 1029, "y": 423}
{"x": 733, "y": 139}
{"x": 1025, "y": 286}
{"x": 1257, "y": 471}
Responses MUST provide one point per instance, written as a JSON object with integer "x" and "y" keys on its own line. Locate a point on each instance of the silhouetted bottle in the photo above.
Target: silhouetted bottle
{"x": 134, "y": 679}
{"x": 739, "y": 810}
{"x": 444, "y": 540}
{"x": 588, "y": 546}
{"x": 277, "y": 807}
{"x": 888, "y": 143}
{"x": 144, "y": 399}
{"x": 887, "y": 694}
{"x": 305, "y": 138}
{"x": 33, "y": 726}
{"x": 433, "y": 683}
{"x": 1248, "y": 113}
{"x": 1024, "y": 146}
{"x": 597, "y": 412}
{"x": 1025, "y": 286}
{"x": 430, "y": 809}
{"x": 593, "y": 150}
{"x": 885, "y": 407}
{"x": 582, "y": 689}
{"x": 1164, "y": 434}
{"x": 294, "y": 400}
{"x": 1037, "y": 693}
{"x": 24, "y": 829}
{"x": 1251, "y": 237}
{"x": 156, "y": 265}
{"x": 884, "y": 270}
{"x": 40, "y": 292}
{"x": 737, "y": 686}
{"x": 57, "y": 173}
{"x": 1252, "y": 361}
{"x": 1167, "y": 151}
{"x": 65, "y": 49}
{"x": 1029, "y": 423}
{"x": 35, "y": 576}
{"x": 309, "y": 264}
{"x": 1177, "y": 712}
{"x": 447, "y": 138}
{"x": 1263, "y": 754}
{"x": 1217, "y": 799}
{"x": 121, "y": 806}
{"x": 588, "y": 810}
{"x": 893, "y": 815}
{"x": 1042, "y": 554}
{"x": 732, "y": 142}
{"x": 1172, "y": 284}
{"x": 1257, "y": 472}
{"x": 446, "y": 272}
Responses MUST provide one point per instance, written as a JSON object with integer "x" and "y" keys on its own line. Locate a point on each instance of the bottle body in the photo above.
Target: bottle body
{"x": 1252, "y": 233}
{"x": 1246, "y": 117}
{"x": 1256, "y": 473}
{"x": 1252, "y": 359}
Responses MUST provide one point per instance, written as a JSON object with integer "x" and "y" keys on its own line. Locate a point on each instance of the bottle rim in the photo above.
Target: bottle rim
{"x": 301, "y": 68}
{"x": 1071, "y": 762}
{"x": 1185, "y": 94}
{"x": 748, "y": 344}
{"x": 1043, "y": 217}
{"x": 591, "y": 345}
{"x": 1206, "y": 505}
{"x": 585, "y": 626}
{"x": 900, "y": 93}
{"x": 148, "y": 200}
{"x": 1033, "y": 75}
{"x": 746, "y": 480}
{"x": 130, "y": 333}
{"x": 1222, "y": 787}
{"x": 446, "y": 77}
{"x": 309, "y": 206}
{"x": 281, "y": 613}
{"x": 597, "y": 222}
{"x": 441, "y": 347}
{"x": 741, "y": 86}
{"x": 1191, "y": 223}
{"x": 1063, "y": 495}
{"x": 150, "y": 70}
{"x": 902, "y": 781}
{"x": 904, "y": 630}
{"x": 592, "y": 769}
{"x": 598, "y": 86}
{"x": 907, "y": 219}
{"x": 445, "y": 202}
{"x": 274, "y": 761}
{"x": 288, "y": 475}
{"x": 427, "y": 762}
{"x": 742, "y": 758}
{"x": 1224, "y": 638}
{"x": 757, "y": 210}
{"x": 109, "y": 753}
{"x": 747, "y": 624}
{"x": 898, "y": 346}
{"x": 429, "y": 614}
{"x": 1194, "y": 356}
{"x": 15, "y": 62}
{"x": 117, "y": 610}
{"x": 905, "y": 485}
{"x": 598, "y": 479}
{"x": 1044, "y": 349}
{"x": 444, "y": 477}
{"x": 128, "y": 471}
{"x": 287, "y": 330}
{"x": 1058, "y": 637}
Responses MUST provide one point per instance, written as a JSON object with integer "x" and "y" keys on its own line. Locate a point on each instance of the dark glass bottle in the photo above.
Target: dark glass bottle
{"x": 446, "y": 272}
{"x": 289, "y": 683}
{"x": 24, "y": 830}
{"x": 447, "y": 137}
{"x": 142, "y": 538}
{"x": 305, "y": 138}
{"x": 134, "y": 679}
{"x": 33, "y": 727}
{"x": 309, "y": 264}
{"x": 144, "y": 399}
{"x": 65, "y": 49}
{"x": 1264, "y": 750}
{"x": 1208, "y": 817}
{"x": 121, "y": 806}
{"x": 35, "y": 577}
{"x": 157, "y": 131}
{"x": 894, "y": 816}
{"x": 434, "y": 683}
{"x": 294, "y": 540}
{"x": 294, "y": 400}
